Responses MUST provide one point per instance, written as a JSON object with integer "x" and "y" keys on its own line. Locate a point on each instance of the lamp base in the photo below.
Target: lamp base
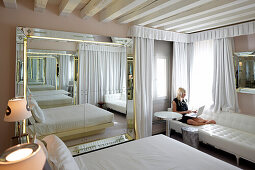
{"x": 24, "y": 138}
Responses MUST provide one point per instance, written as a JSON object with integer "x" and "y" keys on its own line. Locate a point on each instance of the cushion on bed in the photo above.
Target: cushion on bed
{"x": 31, "y": 120}
{"x": 36, "y": 111}
{"x": 59, "y": 154}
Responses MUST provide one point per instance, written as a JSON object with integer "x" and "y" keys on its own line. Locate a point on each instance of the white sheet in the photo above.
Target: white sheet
{"x": 53, "y": 100}
{"x": 66, "y": 118}
{"x": 48, "y": 92}
{"x": 41, "y": 87}
{"x": 151, "y": 153}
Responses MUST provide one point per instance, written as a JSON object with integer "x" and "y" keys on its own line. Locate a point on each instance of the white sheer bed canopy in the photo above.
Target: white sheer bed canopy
{"x": 51, "y": 71}
{"x": 183, "y": 53}
{"x": 102, "y": 71}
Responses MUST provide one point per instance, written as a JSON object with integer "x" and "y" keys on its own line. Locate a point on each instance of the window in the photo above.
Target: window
{"x": 161, "y": 74}
{"x": 161, "y": 78}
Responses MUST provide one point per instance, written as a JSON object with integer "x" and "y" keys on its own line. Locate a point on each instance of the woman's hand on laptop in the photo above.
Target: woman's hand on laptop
{"x": 194, "y": 111}
{"x": 188, "y": 111}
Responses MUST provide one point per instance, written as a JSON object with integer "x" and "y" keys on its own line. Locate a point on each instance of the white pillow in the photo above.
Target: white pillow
{"x": 59, "y": 154}
{"x": 36, "y": 111}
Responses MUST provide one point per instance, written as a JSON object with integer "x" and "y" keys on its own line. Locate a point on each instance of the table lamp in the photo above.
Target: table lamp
{"x": 16, "y": 111}
{"x": 23, "y": 157}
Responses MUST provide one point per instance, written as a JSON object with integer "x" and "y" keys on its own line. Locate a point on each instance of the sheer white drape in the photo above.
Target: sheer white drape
{"x": 34, "y": 69}
{"x": 102, "y": 71}
{"x": 224, "y": 32}
{"x": 182, "y": 54}
{"x": 41, "y": 70}
{"x": 64, "y": 70}
{"x": 50, "y": 71}
{"x": 224, "y": 91}
{"x": 143, "y": 85}
{"x": 156, "y": 34}
{"x": 201, "y": 74}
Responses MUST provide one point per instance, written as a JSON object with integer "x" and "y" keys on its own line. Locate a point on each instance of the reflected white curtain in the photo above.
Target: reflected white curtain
{"x": 182, "y": 57}
{"x": 143, "y": 85}
{"x": 64, "y": 71}
{"x": 102, "y": 71}
{"x": 50, "y": 71}
{"x": 201, "y": 74}
{"x": 34, "y": 69}
{"x": 224, "y": 91}
{"x": 41, "y": 67}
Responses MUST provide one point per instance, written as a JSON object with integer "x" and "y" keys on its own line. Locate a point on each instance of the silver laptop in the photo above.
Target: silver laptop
{"x": 199, "y": 112}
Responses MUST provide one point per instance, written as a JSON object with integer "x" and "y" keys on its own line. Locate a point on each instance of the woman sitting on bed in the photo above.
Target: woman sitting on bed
{"x": 179, "y": 105}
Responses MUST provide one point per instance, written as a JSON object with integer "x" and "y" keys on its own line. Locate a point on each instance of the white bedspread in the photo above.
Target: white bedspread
{"x": 48, "y": 92}
{"x": 47, "y": 101}
{"x": 41, "y": 87}
{"x": 151, "y": 153}
{"x": 66, "y": 118}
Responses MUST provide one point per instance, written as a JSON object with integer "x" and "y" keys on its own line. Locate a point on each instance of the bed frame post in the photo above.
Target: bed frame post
{"x": 237, "y": 160}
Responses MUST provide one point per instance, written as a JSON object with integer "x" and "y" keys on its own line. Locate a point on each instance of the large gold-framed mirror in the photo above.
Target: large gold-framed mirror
{"x": 244, "y": 63}
{"x": 79, "y": 86}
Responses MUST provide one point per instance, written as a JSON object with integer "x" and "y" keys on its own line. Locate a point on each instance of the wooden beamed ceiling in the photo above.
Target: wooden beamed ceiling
{"x": 186, "y": 16}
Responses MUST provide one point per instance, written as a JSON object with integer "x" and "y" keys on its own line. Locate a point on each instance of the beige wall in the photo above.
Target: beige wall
{"x": 245, "y": 43}
{"x": 25, "y": 16}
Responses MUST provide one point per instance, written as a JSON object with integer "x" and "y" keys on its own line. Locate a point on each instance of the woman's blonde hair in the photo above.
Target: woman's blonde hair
{"x": 180, "y": 91}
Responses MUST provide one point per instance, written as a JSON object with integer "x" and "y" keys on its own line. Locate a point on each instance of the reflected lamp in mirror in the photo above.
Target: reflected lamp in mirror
{"x": 23, "y": 157}
{"x": 17, "y": 110}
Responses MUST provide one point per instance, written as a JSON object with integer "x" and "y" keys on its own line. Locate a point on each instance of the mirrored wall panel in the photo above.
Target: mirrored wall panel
{"x": 82, "y": 84}
{"x": 19, "y": 83}
{"x": 245, "y": 71}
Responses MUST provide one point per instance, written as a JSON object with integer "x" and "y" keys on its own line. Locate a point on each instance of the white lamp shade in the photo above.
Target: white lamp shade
{"x": 17, "y": 110}
{"x": 35, "y": 160}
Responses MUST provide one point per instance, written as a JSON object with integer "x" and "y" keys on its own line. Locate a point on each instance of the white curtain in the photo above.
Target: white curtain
{"x": 224, "y": 32}
{"x": 182, "y": 56}
{"x": 34, "y": 69}
{"x": 143, "y": 85}
{"x": 224, "y": 90}
{"x": 201, "y": 74}
{"x": 64, "y": 71}
{"x": 156, "y": 34}
{"x": 41, "y": 67}
{"x": 102, "y": 71}
{"x": 50, "y": 71}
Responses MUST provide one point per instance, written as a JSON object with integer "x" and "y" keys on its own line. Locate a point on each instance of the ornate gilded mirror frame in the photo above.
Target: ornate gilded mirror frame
{"x": 32, "y": 33}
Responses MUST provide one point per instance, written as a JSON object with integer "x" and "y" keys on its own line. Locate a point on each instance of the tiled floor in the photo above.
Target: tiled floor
{"x": 227, "y": 157}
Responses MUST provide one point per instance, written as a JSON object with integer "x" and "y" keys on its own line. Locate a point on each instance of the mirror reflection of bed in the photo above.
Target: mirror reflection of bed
{"x": 77, "y": 90}
{"x": 50, "y": 76}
